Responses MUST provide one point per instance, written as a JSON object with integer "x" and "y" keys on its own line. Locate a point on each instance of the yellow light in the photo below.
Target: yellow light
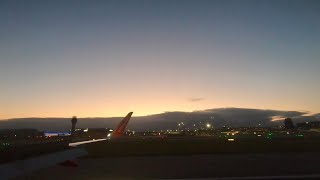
{"x": 230, "y": 139}
{"x": 208, "y": 125}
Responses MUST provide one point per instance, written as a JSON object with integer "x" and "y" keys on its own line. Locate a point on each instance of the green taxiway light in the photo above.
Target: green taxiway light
{"x": 5, "y": 144}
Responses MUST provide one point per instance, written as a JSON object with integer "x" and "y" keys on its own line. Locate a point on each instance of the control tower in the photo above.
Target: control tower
{"x": 73, "y": 122}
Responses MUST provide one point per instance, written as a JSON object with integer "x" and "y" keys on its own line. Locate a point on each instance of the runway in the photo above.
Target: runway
{"x": 218, "y": 166}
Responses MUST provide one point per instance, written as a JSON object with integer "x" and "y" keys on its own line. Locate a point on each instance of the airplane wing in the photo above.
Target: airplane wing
{"x": 118, "y": 132}
{"x": 21, "y": 167}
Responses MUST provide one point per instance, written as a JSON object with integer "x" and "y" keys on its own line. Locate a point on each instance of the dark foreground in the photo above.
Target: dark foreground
{"x": 192, "y": 158}
{"x": 198, "y": 145}
{"x": 195, "y": 166}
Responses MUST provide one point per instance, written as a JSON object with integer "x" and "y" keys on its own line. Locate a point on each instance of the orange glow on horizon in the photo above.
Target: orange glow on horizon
{"x": 141, "y": 103}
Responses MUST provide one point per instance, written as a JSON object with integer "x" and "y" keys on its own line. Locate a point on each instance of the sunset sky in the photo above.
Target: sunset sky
{"x": 106, "y": 58}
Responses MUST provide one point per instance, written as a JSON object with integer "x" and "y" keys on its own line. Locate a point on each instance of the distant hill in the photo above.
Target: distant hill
{"x": 231, "y": 117}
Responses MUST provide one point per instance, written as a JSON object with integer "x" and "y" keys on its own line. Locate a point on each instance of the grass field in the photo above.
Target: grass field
{"x": 193, "y": 147}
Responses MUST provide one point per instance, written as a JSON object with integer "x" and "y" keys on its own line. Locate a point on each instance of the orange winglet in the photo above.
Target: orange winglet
{"x": 122, "y": 126}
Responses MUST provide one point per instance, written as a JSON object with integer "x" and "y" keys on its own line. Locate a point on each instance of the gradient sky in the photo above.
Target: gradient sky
{"x": 105, "y": 58}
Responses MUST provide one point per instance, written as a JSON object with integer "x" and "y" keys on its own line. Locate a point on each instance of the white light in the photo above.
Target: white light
{"x": 230, "y": 139}
{"x": 109, "y": 135}
{"x": 208, "y": 125}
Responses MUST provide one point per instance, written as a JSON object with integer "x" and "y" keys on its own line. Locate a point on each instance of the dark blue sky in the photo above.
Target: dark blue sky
{"x": 101, "y": 58}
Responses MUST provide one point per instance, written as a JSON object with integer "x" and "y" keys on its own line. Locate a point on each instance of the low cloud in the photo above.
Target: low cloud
{"x": 277, "y": 118}
{"x": 196, "y": 99}
{"x": 218, "y": 117}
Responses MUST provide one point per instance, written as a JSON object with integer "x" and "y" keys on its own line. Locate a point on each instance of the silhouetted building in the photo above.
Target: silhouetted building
{"x": 308, "y": 125}
{"x": 288, "y": 124}
{"x": 314, "y": 124}
{"x": 98, "y": 132}
{"x": 92, "y": 132}
{"x": 73, "y": 122}
{"x": 20, "y": 133}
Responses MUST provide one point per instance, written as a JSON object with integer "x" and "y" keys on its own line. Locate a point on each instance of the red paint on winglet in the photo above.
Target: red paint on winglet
{"x": 122, "y": 126}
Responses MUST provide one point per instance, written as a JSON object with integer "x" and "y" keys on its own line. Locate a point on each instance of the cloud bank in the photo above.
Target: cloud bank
{"x": 231, "y": 117}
